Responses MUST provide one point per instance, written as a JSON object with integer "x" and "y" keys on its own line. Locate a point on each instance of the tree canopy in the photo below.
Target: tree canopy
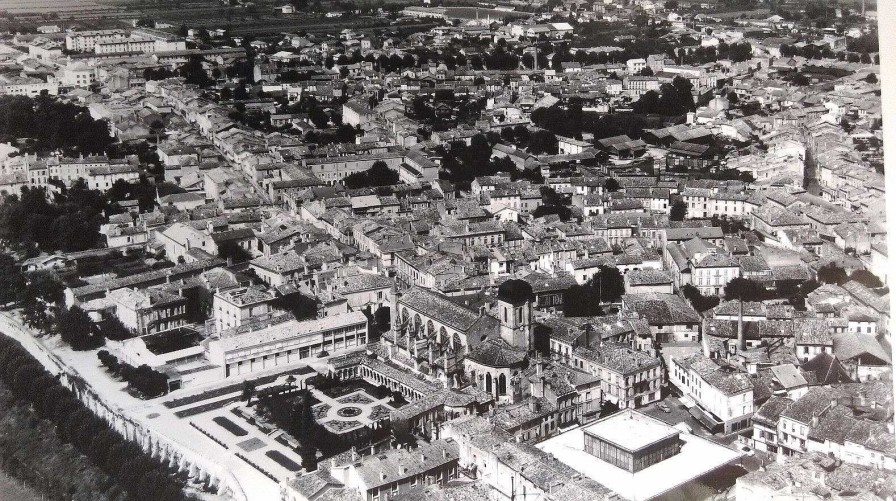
{"x": 607, "y": 286}
{"x": 70, "y": 223}
{"x": 51, "y": 125}
{"x": 744, "y": 289}
{"x": 379, "y": 174}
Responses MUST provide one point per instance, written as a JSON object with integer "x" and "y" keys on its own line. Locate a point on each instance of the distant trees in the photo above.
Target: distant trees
{"x": 866, "y": 278}
{"x": 248, "y": 391}
{"x": 379, "y": 174}
{"x": 571, "y": 121}
{"x": 232, "y": 250}
{"x": 142, "y": 477}
{"x": 543, "y": 141}
{"x": 193, "y": 72}
{"x": 146, "y": 380}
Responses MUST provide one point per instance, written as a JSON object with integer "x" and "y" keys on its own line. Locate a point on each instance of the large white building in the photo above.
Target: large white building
{"x": 723, "y": 398}
{"x": 14, "y": 85}
{"x": 233, "y": 307}
{"x": 237, "y": 352}
{"x": 85, "y": 41}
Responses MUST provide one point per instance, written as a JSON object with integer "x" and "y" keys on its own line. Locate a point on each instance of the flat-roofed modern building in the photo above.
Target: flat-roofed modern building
{"x": 631, "y": 443}
{"x": 640, "y": 457}
{"x": 239, "y": 352}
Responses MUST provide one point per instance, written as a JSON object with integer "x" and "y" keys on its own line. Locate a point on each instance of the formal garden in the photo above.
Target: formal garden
{"x": 325, "y": 417}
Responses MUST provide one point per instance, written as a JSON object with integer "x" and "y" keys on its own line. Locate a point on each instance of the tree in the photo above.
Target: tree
{"x": 379, "y": 174}
{"x": 866, "y": 278}
{"x": 700, "y": 302}
{"x": 543, "y": 142}
{"x": 611, "y": 185}
{"x": 77, "y": 330}
{"x": 42, "y": 295}
{"x": 248, "y": 391}
{"x": 194, "y": 73}
{"x": 871, "y": 78}
{"x": 670, "y": 4}
{"x": 232, "y": 250}
{"x": 607, "y": 286}
{"x": 832, "y": 274}
{"x": 678, "y": 211}
{"x": 744, "y": 289}
{"x": 12, "y": 282}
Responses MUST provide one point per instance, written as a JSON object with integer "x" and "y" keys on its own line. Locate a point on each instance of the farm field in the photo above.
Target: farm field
{"x": 60, "y": 7}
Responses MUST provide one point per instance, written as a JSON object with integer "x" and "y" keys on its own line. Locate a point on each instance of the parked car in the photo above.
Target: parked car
{"x": 746, "y": 449}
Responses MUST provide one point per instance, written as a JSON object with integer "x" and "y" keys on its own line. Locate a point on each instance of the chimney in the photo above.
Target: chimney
{"x": 382, "y": 475}
{"x": 423, "y": 458}
{"x": 444, "y": 453}
{"x": 354, "y": 454}
{"x": 539, "y": 367}
{"x": 533, "y": 405}
{"x": 741, "y": 336}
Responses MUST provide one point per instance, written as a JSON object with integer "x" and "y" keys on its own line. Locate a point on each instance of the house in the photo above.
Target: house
{"x": 670, "y": 317}
{"x": 723, "y": 396}
{"x": 47, "y": 262}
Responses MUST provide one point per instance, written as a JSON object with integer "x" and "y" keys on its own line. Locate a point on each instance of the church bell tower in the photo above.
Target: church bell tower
{"x": 515, "y": 313}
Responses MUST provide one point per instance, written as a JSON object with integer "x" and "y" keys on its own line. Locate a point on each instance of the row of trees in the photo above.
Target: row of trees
{"x": 149, "y": 382}
{"x": 833, "y": 274}
{"x": 142, "y": 477}
{"x": 573, "y": 122}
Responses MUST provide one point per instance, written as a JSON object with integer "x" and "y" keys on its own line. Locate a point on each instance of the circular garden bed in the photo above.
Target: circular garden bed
{"x": 349, "y": 411}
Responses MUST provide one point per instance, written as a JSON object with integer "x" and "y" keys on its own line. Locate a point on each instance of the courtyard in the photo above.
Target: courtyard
{"x": 349, "y": 412}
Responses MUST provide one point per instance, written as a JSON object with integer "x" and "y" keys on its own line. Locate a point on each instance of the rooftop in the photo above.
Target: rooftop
{"x": 698, "y": 457}
{"x": 631, "y": 430}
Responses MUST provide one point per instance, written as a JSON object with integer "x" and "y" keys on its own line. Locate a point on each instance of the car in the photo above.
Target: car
{"x": 746, "y": 449}
{"x": 663, "y": 407}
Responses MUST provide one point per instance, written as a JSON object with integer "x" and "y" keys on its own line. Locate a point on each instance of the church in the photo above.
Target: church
{"x": 445, "y": 341}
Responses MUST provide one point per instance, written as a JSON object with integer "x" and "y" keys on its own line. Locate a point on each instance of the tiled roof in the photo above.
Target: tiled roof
{"x": 439, "y": 307}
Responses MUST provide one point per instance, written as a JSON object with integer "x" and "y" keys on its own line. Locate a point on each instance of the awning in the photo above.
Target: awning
{"x": 705, "y": 419}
